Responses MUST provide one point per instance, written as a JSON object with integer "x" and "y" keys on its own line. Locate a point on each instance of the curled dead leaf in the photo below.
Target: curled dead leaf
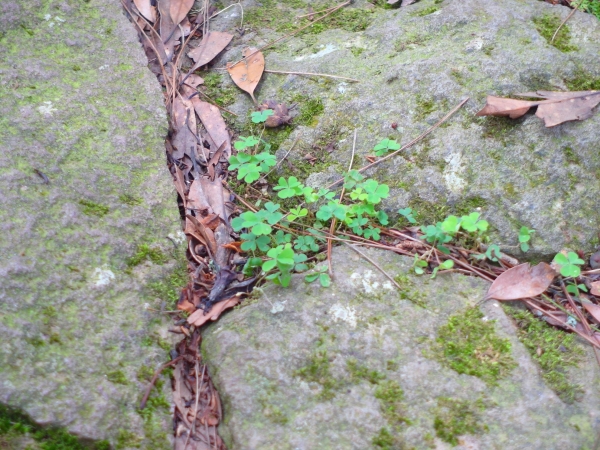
{"x": 521, "y": 281}
{"x": 246, "y": 74}
{"x": 199, "y": 318}
{"x": 556, "y": 108}
{"x": 281, "y": 113}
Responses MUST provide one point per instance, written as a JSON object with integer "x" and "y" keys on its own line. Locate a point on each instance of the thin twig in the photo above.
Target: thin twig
{"x": 313, "y": 75}
{"x": 187, "y": 439}
{"x": 289, "y": 35}
{"x": 580, "y": 316}
{"x": 285, "y": 156}
{"x": 334, "y": 220}
{"x": 565, "y": 21}
{"x": 377, "y": 266}
{"x": 411, "y": 143}
{"x": 529, "y": 301}
{"x": 315, "y": 12}
{"x": 154, "y": 378}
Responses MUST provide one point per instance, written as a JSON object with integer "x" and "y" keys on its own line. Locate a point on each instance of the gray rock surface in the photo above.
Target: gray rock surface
{"x": 417, "y": 62}
{"x": 78, "y": 104}
{"x": 258, "y": 353}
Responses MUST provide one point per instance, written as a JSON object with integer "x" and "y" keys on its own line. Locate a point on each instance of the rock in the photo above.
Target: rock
{"x": 86, "y": 207}
{"x": 353, "y": 366}
{"x": 415, "y": 63}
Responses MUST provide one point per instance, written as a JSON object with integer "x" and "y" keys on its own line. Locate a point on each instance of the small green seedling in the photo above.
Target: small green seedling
{"x": 251, "y": 242}
{"x": 306, "y": 243}
{"x": 385, "y": 146}
{"x": 446, "y": 265}
{"x": 524, "y": 238}
{"x": 419, "y": 265}
{"x": 321, "y": 275}
{"x": 435, "y": 234}
{"x": 245, "y": 142}
{"x": 282, "y": 258}
{"x": 289, "y": 188}
{"x": 575, "y": 288}
{"x": 408, "y": 214}
{"x": 569, "y": 264}
{"x": 261, "y": 116}
{"x": 332, "y": 209}
{"x": 372, "y": 233}
{"x": 295, "y": 213}
{"x": 493, "y": 253}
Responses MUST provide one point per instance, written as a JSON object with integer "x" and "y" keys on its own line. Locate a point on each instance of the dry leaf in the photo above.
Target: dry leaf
{"x": 595, "y": 290}
{"x": 198, "y": 318}
{"x": 194, "y": 80}
{"x": 209, "y": 48}
{"x": 178, "y": 9}
{"x": 180, "y": 184}
{"x": 557, "y": 108}
{"x": 215, "y": 125}
{"x": 246, "y": 74}
{"x": 591, "y": 308}
{"x": 146, "y": 9}
{"x": 280, "y": 116}
{"x": 521, "y": 281}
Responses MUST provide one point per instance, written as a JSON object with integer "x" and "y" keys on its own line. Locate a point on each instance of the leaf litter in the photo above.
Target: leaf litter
{"x": 556, "y": 108}
{"x": 198, "y": 148}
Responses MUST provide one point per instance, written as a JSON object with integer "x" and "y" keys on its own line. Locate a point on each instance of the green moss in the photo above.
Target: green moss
{"x": 553, "y": 349}
{"x": 217, "y": 91}
{"x": 348, "y": 19}
{"x": 547, "y": 26}
{"x": 318, "y": 370}
{"x": 390, "y": 395}
{"x": 14, "y": 424}
{"x": 497, "y": 127}
{"x": 425, "y": 106}
{"x": 385, "y": 440}
{"x": 409, "y": 39}
{"x": 146, "y": 253}
{"x": 118, "y": 377}
{"x": 310, "y": 108}
{"x": 469, "y": 345}
{"x": 357, "y": 51}
{"x": 130, "y": 200}
{"x": 454, "y": 418}
{"x": 409, "y": 291}
{"x": 280, "y": 16}
{"x": 426, "y": 11}
{"x": 90, "y": 208}
{"x": 169, "y": 287}
{"x": 583, "y": 81}
{"x": 427, "y": 212}
{"x": 570, "y": 156}
{"x": 468, "y": 205}
{"x": 359, "y": 372}
{"x": 277, "y": 136}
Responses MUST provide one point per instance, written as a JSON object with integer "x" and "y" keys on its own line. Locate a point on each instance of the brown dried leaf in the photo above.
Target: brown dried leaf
{"x": 198, "y": 318}
{"x": 591, "y": 308}
{"x": 146, "y": 9}
{"x": 557, "y": 108}
{"x": 215, "y": 125}
{"x": 180, "y": 184}
{"x": 521, "y": 281}
{"x": 210, "y": 46}
{"x": 595, "y": 290}
{"x": 194, "y": 80}
{"x": 167, "y": 29}
{"x": 178, "y": 9}
{"x": 246, "y": 74}
{"x": 281, "y": 113}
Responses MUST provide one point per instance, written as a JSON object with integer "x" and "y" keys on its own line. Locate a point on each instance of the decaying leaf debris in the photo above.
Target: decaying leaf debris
{"x": 557, "y": 108}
